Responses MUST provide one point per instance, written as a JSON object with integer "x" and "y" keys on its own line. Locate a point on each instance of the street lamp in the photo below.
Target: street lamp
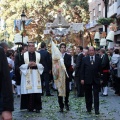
{"x": 23, "y": 18}
{"x": 7, "y": 35}
{"x": 106, "y": 4}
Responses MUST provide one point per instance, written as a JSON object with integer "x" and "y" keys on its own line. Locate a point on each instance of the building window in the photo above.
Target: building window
{"x": 99, "y": 7}
{"x": 93, "y": 12}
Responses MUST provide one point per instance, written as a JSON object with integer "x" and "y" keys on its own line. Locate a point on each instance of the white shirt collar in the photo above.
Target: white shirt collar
{"x": 102, "y": 56}
{"x": 93, "y": 57}
{"x": 63, "y": 55}
{"x": 80, "y": 53}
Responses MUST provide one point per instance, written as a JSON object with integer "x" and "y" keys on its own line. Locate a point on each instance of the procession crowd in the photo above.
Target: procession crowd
{"x": 29, "y": 73}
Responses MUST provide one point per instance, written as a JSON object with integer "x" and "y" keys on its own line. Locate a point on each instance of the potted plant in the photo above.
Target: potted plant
{"x": 105, "y": 21}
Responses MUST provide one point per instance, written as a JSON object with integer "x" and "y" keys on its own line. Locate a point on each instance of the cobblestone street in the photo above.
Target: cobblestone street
{"x": 109, "y": 109}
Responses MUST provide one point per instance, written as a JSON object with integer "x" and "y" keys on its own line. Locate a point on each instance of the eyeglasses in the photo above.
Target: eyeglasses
{"x": 63, "y": 47}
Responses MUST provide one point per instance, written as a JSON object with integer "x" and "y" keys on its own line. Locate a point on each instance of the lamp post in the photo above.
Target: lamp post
{"x": 23, "y": 18}
{"x": 7, "y": 35}
{"x": 106, "y": 4}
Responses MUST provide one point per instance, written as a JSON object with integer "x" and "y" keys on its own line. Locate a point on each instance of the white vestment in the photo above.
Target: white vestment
{"x": 30, "y": 78}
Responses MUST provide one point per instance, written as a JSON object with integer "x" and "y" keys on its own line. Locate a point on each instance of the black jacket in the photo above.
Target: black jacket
{"x": 67, "y": 62}
{"x": 105, "y": 62}
{"x": 78, "y": 65}
{"x": 6, "y": 94}
{"x": 18, "y": 60}
{"x": 45, "y": 60}
{"x": 91, "y": 72}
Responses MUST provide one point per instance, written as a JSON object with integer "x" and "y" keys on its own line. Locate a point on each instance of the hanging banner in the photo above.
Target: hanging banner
{"x": 18, "y": 39}
{"x": 76, "y": 27}
{"x": 48, "y": 26}
{"x": 17, "y": 24}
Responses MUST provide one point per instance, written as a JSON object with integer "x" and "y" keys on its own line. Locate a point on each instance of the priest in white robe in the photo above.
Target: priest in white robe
{"x": 31, "y": 88}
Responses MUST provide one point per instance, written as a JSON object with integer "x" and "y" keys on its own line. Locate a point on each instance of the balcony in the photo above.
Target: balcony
{"x": 118, "y": 10}
{"x": 112, "y": 10}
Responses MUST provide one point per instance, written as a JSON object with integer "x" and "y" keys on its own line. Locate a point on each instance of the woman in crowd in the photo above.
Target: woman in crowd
{"x": 10, "y": 59}
{"x": 114, "y": 62}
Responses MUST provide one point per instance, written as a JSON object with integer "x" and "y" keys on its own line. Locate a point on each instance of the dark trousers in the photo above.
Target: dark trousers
{"x": 79, "y": 87}
{"x": 1, "y": 104}
{"x": 117, "y": 85}
{"x": 31, "y": 101}
{"x": 18, "y": 77}
{"x": 105, "y": 79}
{"x": 89, "y": 97}
{"x": 66, "y": 100}
{"x": 34, "y": 101}
{"x": 45, "y": 78}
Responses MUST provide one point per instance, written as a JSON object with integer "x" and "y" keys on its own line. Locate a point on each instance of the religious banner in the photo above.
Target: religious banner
{"x": 59, "y": 70}
{"x": 18, "y": 39}
{"x": 48, "y": 26}
{"x": 46, "y": 32}
{"x": 76, "y": 27}
{"x": 17, "y": 23}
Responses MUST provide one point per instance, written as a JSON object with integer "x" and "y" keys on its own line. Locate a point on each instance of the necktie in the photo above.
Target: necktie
{"x": 92, "y": 60}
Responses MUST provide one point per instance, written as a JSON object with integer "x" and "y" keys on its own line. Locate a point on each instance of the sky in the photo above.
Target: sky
{"x": 89, "y": 0}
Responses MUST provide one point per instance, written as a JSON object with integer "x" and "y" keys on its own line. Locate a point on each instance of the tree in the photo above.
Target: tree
{"x": 42, "y": 11}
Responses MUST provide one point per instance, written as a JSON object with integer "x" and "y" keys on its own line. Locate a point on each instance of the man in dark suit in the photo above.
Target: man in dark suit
{"x": 80, "y": 89}
{"x": 18, "y": 57}
{"x": 67, "y": 62}
{"x": 105, "y": 66}
{"x": 46, "y": 62}
{"x": 90, "y": 77}
{"x": 6, "y": 96}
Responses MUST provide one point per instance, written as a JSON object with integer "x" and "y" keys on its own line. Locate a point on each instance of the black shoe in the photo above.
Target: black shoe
{"x": 18, "y": 96}
{"x": 116, "y": 92}
{"x": 67, "y": 107}
{"x": 37, "y": 111}
{"x": 81, "y": 95}
{"x": 61, "y": 110}
{"x": 97, "y": 112}
{"x": 49, "y": 95}
{"x": 30, "y": 110}
{"x": 104, "y": 95}
{"x": 89, "y": 111}
{"x": 42, "y": 94}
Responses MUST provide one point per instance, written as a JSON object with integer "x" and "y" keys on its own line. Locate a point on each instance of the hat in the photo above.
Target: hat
{"x": 110, "y": 36}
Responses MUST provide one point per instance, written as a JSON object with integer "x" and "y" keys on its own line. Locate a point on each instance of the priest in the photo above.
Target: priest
{"x": 31, "y": 88}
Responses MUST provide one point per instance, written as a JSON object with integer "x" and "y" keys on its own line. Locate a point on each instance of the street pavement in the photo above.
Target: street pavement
{"x": 109, "y": 109}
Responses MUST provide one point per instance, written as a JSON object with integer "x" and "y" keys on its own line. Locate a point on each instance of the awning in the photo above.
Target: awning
{"x": 95, "y": 28}
{"x": 117, "y": 32}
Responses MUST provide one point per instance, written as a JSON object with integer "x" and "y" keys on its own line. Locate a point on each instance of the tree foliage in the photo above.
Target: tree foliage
{"x": 43, "y": 11}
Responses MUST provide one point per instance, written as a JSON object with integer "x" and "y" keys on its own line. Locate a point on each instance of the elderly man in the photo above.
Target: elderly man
{"x": 6, "y": 96}
{"x": 90, "y": 77}
{"x": 31, "y": 88}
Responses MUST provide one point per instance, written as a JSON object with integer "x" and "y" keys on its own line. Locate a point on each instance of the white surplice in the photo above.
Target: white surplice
{"x": 30, "y": 78}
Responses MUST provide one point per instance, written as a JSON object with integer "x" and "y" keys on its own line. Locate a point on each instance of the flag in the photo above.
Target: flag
{"x": 17, "y": 23}
{"x": 59, "y": 70}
